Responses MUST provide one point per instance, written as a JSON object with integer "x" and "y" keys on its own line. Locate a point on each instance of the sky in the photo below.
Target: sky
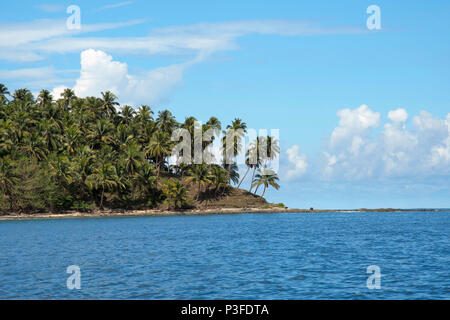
{"x": 363, "y": 114}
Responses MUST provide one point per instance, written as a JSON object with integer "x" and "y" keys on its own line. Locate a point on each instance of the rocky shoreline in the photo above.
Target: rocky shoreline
{"x": 206, "y": 211}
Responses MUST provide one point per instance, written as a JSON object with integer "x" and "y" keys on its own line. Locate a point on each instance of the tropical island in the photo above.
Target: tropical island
{"x": 91, "y": 154}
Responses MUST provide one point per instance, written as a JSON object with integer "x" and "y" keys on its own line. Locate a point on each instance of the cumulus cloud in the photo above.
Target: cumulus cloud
{"x": 99, "y": 73}
{"x": 297, "y": 164}
{"x": 354, "y": 150}
{"x": 57, "y": 91}
{"x": 398, "y": 115}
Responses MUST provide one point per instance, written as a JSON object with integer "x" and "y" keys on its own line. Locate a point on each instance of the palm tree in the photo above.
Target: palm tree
{"x": 145, "y": 179}
{"x": 133, "y": 158}
{"x": 109, "y": 102}
{"x": 45, "y": 98}
{"x": 3, "y": 92}
{"x": 49, "y": 132}
{"x": 100, "y": 133}
{"x": 126, "y": 115}
{"x": 218, "y": 177}
{"x": 68, "y": 96}
{"x": 71, "y": 137}
{"x": 23, "y": 96}
{"x": 254, "y": 158}
{"x": 144, "y": 115}
{"x": 175, "y": 193}
{"x": 239, "y": 128}
{"x": 166, "y": 121}
{"x": 199, "y": 174}
{"x": 82, "y": 165}
{"x": 266, "y": 177}
{"x": 8, "y": 179}
{"x": 160, "y": 146}
{"x": 105, "y": 177}
{"x": 34, "y": 147}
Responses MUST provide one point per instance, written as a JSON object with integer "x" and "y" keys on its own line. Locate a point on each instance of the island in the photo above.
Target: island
{"x": 92, "y": 156}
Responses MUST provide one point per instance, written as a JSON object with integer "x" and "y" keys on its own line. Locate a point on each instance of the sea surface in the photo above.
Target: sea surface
{"x": 236, "y": 256}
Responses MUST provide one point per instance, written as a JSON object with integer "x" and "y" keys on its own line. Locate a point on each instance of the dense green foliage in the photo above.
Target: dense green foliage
{"x": 82, "y": 153}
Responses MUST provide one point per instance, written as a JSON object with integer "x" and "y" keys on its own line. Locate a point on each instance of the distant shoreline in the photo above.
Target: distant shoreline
{"x": 209, "y": 211}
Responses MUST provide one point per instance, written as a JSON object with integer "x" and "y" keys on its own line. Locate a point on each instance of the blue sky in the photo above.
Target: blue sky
{"x": 291, "y": 65}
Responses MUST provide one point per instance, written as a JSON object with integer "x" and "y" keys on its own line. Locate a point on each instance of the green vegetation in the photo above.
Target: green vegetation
{"x": 86, "y": 153}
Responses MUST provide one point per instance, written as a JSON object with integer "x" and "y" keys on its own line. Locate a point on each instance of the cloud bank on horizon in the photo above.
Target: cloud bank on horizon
{"x": 355, "y": 150}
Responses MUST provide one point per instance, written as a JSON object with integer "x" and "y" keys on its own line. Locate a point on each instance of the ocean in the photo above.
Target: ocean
{"x": 355, "y": 255}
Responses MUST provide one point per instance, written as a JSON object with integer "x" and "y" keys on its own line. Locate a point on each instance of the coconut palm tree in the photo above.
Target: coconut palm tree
{"x": 218, "y": 177}
{"x": 99, "y": 133}
{"x": 44, "y": 98}
{"x": 176, "y": 194}
{"x": 126, "y": 115}
{"x": 8, "y": 179}
{"x": 239, "y": 128}
{"x": 199, "y": 174}
{"x": 166, "y": 121}
{"x": 160, "y": 146}
{"x": 3, "y": 93}
{"x": 104, "y": 177}
{"x": 266, "y": 177}
{"x": 133, "y": 158}
{"x": 109, "y": 102}
{"x": 68, "y": 96}
{"x": 144, "y": 180}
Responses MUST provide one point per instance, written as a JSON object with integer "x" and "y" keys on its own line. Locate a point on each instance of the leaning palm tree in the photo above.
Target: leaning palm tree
{"x": 266, "y": 177}
{"x": 199, "y": 174}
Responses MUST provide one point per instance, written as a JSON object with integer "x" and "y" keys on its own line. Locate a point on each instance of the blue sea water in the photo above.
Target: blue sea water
{"x": 238, "y": 256}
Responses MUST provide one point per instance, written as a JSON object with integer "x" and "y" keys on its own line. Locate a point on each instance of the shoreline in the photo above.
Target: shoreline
{"x": 193, "y": 212}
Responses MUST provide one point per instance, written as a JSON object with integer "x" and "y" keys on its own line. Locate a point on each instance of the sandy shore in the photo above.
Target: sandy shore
{"x": 206, "y": 211}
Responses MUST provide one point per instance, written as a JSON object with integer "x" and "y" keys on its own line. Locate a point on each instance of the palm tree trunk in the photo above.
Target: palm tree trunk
{"x": 263, "y": 191}
{"x": 257, "y": 187}
{"x": 253, "y": 178}
{"x": 158, "y": 167}
{"x": 101, "y": 199}
{"x": 248, "y": 168}
{"x": 198, "y": 193}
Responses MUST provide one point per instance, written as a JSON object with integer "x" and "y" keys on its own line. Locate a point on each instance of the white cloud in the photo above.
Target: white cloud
{"x": 50, "y": 7}
{"x": 116, "y": 5}
{"x": 57, "y": 91}
{"x": 354, "y": 126}
{"x": 99, "y": 72}
{"x": 41, "y": 37}
{"x": 297, "y": 164}
{"x": 355, "y": 151}
{"x": 399, "y": 115}
{"x": 26, "y": 41}
{"x": 28, "y": 73}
